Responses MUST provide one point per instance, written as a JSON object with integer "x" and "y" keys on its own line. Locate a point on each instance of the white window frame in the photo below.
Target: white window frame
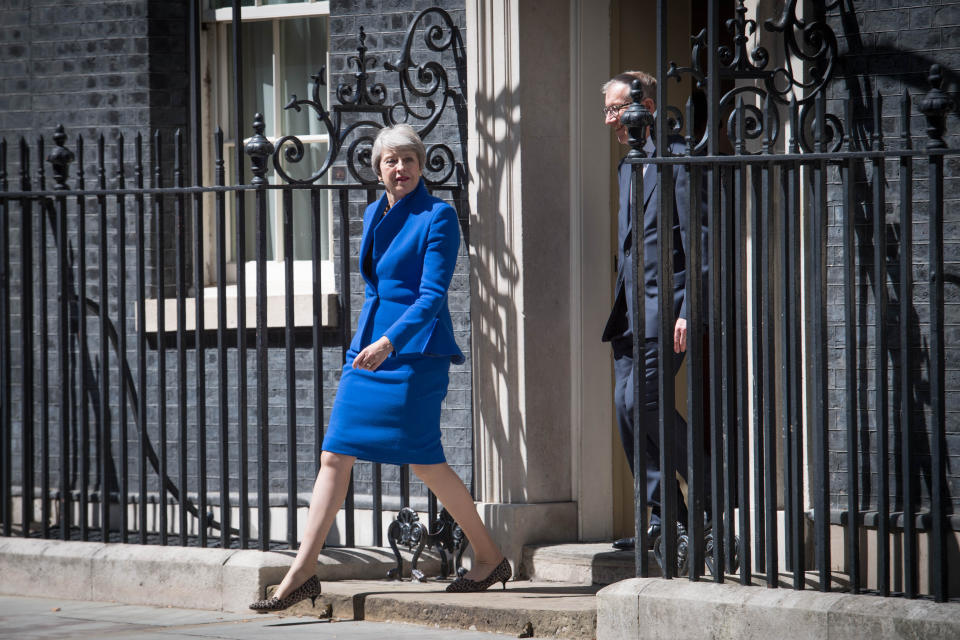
{"x": 217, "y": 100}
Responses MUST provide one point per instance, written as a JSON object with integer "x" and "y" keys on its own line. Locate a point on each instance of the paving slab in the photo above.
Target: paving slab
{"x": 24, "y": 618}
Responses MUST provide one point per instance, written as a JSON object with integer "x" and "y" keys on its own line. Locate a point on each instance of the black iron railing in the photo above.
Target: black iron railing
{"x": 140, "y": 416}
{"x": 789, "y": 376}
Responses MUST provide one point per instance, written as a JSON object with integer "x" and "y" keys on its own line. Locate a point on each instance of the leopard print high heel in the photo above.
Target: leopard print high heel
{"x": 309, "y": 589}
{"x": 501, "y": 573}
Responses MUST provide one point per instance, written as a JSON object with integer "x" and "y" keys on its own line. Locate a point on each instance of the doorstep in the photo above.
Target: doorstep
{"x": 583, "y": 564}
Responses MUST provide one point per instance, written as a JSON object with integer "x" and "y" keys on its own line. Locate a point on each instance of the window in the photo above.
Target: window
{"x": 284, "y": 44}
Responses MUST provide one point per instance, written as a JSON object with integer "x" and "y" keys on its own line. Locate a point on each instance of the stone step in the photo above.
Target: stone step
{"x": 583, "y": 564}
{"x": 524, "y": 609}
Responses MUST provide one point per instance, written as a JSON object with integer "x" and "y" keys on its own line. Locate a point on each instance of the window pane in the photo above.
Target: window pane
{"x": 303, "y": 214}
{"x": 304, "y": 52}
{"x": 250, "y": 209}
{"x": 258, "y": 82}
{"x": 226, "y": 4}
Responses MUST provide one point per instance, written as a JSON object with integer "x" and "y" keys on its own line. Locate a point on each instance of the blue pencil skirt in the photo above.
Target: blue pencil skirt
{"x": 390, "y": 415}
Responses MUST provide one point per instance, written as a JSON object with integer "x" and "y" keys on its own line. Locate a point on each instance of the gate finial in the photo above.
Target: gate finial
{"x": 638, "y": 119}
{"x": 259, "y": 149}
{"x": 60, "y": 158}
{"x": 934, "y": 107}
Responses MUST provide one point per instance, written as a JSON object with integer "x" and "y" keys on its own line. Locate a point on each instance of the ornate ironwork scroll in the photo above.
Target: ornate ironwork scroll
{"x": 446, "y": 537}
{"x": 362, "y": 107}
{"x": 809, "y": 43}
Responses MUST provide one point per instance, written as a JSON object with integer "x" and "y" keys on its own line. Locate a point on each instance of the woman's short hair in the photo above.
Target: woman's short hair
{"x": 399, "y": 137}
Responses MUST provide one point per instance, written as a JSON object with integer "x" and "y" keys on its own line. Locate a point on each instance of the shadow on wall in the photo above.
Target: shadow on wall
{"x": 861, "y": 66}
{"x": 495, "y": 287}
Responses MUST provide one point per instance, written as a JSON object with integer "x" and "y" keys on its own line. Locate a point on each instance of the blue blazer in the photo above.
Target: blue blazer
{"x": 407, "y": 258}
{"x": 620, "y": 322}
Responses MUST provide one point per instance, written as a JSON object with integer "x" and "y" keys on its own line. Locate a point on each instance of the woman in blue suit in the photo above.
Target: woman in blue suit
{"x": 387, "y": 407}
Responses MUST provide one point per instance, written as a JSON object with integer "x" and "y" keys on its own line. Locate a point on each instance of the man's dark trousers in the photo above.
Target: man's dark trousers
{"x": 649, "y": 416}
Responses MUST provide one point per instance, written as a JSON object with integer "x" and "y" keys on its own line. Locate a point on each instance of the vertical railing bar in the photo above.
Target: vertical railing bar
{"x": 291, "y": 369}
{"x": 200, "y": 368}
{"x": 742, "y": 419}
{"x": 694, "y": 435}
{"x": 640, "y": 381}
{"x": 104, "y": 319}
{"x": 63, "y": 336}
{"x": 905, "y": 303}
{"x": 431, "y": 508}
{"x": 769, "y": 391}
{"x": 796, "y": 390}
{"x": 728, "y": 366}
{"x": 6, "y": 423}
{"x": 714, "y": 198}
{"x": 196, "y": 144}
{"x": 850, "y": 349}
{"x": 122, "y": 342}
{"x": 669, "y": 509}
{"x": 821, "y": 485}
{"x": 793, "y": 380}
{"x": 161, "y": 338}
{"x": 141, "y": 344}
{"x": 784, "y": 318}
{"x": 222, "y": 374}
{"x": 880, "y": 332}
{"x": 317, "y": 239}
{"x": 242, "y": 409}
{"x": 758, "y": 426}
{"x": 83, "y": 443}
{"x": 716, "y": 375}
{"x": 263, "y": 414}
{"x": 345, "y": 333}
{"x": 27, "y": 341}
{"x": 180, "y": 232}
{"x": 404, "y": 485}
{"x": 938, "y": 552}
{"x": 44, "y": 350}
{"x": 243, "y": 431}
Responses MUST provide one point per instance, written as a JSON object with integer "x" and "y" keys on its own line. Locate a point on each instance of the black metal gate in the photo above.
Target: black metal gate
{"x": 811, "y": 306}
{"x": 106, "y": 458}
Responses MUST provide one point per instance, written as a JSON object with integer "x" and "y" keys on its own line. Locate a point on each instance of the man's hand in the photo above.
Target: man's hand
{"x": 680, "y": 336}
{"x": 373, "y": 355}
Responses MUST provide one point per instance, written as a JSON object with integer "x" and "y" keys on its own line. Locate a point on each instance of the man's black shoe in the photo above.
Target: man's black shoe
{"x": 653, "y": 532}
{"x": 625, "y": 544}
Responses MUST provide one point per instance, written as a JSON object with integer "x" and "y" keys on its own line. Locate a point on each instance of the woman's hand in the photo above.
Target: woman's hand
{"x": 373, "y": 355}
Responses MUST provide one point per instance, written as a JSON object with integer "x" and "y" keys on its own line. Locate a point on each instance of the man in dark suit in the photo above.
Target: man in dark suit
{"x": 619, "y": 328}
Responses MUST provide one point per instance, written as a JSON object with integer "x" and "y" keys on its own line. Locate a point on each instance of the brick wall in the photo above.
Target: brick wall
{"x": 101, "y": 69}
{"x": 889, "y": 47}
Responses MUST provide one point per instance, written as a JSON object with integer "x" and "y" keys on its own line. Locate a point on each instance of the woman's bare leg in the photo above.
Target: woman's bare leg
{"x": 453, "y": 494}
{"x": 329, "y": 492}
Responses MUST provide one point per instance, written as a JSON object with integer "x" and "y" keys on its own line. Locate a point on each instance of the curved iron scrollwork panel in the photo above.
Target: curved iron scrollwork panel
{"x": 811, "y": 44}
{"x": 425, "y": 93}
{"x": 446, "y": 537}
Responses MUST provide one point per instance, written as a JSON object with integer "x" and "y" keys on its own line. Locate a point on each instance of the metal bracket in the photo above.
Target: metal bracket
{"x": 446, "y": 537}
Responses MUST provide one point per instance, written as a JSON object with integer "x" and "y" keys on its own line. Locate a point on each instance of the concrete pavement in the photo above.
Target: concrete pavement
{"x": 35, "y": 618}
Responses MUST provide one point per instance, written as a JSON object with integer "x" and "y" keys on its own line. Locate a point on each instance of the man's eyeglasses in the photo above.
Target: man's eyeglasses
{"x": 615, "y": 109}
